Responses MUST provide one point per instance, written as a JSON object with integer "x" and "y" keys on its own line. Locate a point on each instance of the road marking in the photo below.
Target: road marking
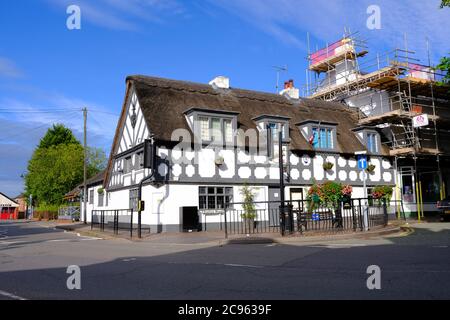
{"x": 339, "y": 246}
{"x": 440, "y": 247}
{"x": 242, "y": 265}
{"x": 10, "y": 242}
{"x": 10, "y": 295}
{"x": 128, "y": 260}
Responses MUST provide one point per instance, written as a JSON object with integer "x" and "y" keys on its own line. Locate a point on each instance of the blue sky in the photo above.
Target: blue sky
{"x": 48, "y": 73}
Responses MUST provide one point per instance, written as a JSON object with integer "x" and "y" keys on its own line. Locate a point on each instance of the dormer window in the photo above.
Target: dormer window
{"x": 323, "y": 138}
{"x": 272, "y": 125}
{"x": 372, "y": 142}
{"x": 214, "y": 126}
{"x": 321, "y": 135}
{"x": 370, "y": 138}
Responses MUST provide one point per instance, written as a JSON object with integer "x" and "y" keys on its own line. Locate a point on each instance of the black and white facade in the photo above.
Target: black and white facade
{"x": 212, "y": 139}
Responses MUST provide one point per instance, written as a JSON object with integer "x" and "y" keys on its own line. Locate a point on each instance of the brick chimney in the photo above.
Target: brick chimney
{"x": 290, "y": 91}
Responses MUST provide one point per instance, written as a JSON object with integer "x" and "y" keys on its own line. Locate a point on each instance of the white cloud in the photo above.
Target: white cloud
{"x": 290, "y": 20}
{"x": 9, "y": 69}
{"x": 123, "y": 15}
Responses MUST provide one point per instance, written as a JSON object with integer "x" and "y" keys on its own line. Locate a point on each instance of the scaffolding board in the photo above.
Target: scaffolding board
{"x": 393, "y": 117}
{"x": 361, "y": 81}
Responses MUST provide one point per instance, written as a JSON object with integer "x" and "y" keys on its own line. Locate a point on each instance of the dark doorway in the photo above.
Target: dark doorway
{"x": 189, "y": 219}
{"x": 274, "y": 206}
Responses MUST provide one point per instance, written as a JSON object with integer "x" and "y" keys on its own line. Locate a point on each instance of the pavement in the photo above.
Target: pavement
{"x": 35, "y": 256}
{"x": 218, "y": 237}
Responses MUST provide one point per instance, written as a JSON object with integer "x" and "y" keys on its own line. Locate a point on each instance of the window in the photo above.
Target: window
{"x": 100, "y": 199}
{"x": 128, "y": 166}
{"x": 215, "y": 197}
{"x": 228, "y": 131}
{"x": 216, "y": 130}
{"x": 273, "y": 138}
{"x": 372, "y": 145}
{"x": 323, "y": 138}
{"x": 140, "y": 159}
{"x": 134, "y": 197}
{"x": 91, "y": 196}
{"x": 204, "y": 128}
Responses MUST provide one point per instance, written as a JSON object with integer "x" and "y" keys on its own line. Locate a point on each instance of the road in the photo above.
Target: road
{"x": 34, "y": 260}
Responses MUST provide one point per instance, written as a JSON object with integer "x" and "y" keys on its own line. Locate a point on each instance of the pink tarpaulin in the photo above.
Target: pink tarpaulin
{"x": 327, "y": 52}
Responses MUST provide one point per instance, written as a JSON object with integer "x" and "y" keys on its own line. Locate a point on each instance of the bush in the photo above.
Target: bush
{"x": 249, "y": 205}
{"x": 46, "y": 212}
{"x": 382, "y": 193}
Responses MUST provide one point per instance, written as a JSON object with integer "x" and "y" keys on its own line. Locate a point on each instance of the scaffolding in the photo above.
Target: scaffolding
{"x": 404, "y": 87}
{"x": 410, "y": 88}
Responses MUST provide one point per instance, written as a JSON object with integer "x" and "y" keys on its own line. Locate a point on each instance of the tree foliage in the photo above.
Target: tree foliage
{"x": 57, "y": 166}
{"x": 57, "y": 135}
{"x": 444, "y": 65}
{"x": 445, "y": 3}
{"x": 54, "y": 171}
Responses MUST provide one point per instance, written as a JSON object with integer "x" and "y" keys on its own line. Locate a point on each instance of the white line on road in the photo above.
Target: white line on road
{"x": 242, "y": 265}
{"x": 10, "y": 295}
{"x": 339, "y": 246}
{"x": 10, "y": 242}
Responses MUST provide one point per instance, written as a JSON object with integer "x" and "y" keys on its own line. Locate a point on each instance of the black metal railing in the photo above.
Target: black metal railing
{"x": 116, "y": 220}
{"x": 301, "y": 216}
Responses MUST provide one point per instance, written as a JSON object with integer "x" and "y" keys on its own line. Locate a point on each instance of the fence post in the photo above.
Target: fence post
{"x": 139, "y": 225}
{"x": 92, "y": 219}
{"x": 102, "y": 220}
{"x": 353, "y": 215}
{"x": 360, "y": 213}
{"x": 225, "y": 220}
{"x": 117, "y": 221}
{"x": 385, "y": 214}
{"x": 131, "y": 224}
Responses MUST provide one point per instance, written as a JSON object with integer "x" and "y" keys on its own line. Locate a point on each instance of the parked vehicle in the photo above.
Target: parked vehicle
{"x": 444, "y": 207}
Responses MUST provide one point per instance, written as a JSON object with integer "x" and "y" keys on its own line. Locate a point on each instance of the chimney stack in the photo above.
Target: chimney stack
{"x": 290, "y": 91}
{"x": 220, "y": 82}
{"x": 291, "y": 84}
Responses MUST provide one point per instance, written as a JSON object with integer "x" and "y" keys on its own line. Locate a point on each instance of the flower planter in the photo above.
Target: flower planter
{"x": 219, "y": 161}
{"x": 370, "y": 169}
{"x": 327, "y": 166}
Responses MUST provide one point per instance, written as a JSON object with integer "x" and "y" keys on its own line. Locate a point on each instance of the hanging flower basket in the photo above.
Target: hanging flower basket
{"x": 219, "y": 161}
{"x": 327, "y": 166}
{"x": 100, "y": 190}
{"x": 371, "y": 168}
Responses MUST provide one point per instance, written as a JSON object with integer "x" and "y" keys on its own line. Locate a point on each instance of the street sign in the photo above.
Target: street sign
{"x": 362, "y": 162}
{"x": 421, "y": 121}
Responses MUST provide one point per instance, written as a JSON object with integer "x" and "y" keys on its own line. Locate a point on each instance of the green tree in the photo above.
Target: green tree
{"x": 57, "y": 166}
{"x": 57, "y": 135}
{"x": 444, "y": 65}
{"x": 96, "y": 161}
{"x": 53, "y": 171}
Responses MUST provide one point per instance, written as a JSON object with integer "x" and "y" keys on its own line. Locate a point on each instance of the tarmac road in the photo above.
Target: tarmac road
{"x": 34, "y": 259}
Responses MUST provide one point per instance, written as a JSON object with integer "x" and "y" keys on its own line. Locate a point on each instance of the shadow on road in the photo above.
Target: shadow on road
{"x": 412, "y": 267}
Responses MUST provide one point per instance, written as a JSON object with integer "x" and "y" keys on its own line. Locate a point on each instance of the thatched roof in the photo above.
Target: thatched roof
{"x": 164, "y": 102}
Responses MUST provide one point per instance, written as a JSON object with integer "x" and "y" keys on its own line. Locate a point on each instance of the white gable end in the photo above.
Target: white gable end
{"x": 135, "y": 130}
{"x": 6, "y": 202}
